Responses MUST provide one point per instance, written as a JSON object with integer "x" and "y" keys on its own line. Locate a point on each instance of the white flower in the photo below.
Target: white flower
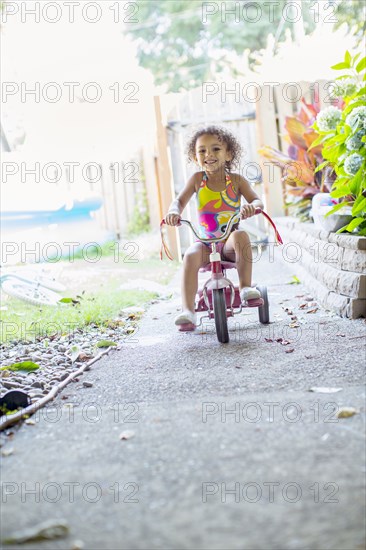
{"x": 354, "y": 143}
{"x": 357, "y": 118}
{"x": 345, "y": 87}
{"x": 352, "y": 164}
{"x": 327, "y": 119}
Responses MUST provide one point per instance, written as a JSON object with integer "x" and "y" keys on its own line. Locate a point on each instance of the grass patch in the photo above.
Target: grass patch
{"x": 26, "y": 322}
{"x": 98, "y": 286}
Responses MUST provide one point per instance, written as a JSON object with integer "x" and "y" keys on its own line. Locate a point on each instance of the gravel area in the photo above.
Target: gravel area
{"x": 60, "y": 355}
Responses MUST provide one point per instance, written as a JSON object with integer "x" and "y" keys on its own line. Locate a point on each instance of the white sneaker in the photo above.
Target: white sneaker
{"x": 249, "y": 293}
{"x": 185, "y": 317}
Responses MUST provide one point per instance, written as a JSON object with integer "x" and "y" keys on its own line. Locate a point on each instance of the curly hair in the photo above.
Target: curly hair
{"x": 224, "y": 136}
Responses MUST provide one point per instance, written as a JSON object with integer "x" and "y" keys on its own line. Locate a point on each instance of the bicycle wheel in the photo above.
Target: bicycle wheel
{"x": 32, "y": 293}
{"x": 219, "y": 306}
{"x": 48, "y": 282}
{"x": 263, "y": 310}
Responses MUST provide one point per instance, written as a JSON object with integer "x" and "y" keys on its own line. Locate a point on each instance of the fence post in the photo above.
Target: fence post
{"x": 165, "y": 181}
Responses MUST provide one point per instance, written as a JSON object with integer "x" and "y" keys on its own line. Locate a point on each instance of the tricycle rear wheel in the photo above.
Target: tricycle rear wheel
{"x": 219, "y": 306}
{"x": 263, "y": 310}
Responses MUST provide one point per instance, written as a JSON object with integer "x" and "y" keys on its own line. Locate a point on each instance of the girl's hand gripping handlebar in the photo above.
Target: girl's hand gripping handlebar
{"x": 235, "y": 218}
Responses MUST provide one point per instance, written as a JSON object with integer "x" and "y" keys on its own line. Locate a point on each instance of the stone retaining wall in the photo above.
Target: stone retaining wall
{"x": 332, "y": 266}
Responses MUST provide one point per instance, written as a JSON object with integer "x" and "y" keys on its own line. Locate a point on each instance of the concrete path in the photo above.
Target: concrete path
{"x": 224, "y": 446}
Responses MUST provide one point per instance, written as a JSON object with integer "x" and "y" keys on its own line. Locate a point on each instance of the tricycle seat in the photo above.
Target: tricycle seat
{"x": 224, "y": 265}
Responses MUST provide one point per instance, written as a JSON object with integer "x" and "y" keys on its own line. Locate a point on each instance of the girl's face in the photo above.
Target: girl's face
{"x": 211, "y": 154}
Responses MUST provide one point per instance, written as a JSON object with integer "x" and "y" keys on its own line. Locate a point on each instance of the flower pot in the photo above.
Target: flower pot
{"x": 321, "y": 204}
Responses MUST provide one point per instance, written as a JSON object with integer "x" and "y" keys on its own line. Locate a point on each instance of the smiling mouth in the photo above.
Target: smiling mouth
{"x": 210, "y": 161}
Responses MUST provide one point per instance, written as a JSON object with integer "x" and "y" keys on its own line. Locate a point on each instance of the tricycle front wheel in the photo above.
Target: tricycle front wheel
{"x": 219, "y": 306}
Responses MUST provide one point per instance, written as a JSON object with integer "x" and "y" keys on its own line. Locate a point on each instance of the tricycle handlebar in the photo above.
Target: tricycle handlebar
{"x": 235, "y": 218}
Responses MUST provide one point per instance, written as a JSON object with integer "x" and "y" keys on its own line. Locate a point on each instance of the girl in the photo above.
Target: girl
{"x": 218, "y": 193}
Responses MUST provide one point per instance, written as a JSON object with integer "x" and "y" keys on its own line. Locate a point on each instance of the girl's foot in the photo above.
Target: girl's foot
{"x": 186, "y": 317}
{"x": 249, "y": 293}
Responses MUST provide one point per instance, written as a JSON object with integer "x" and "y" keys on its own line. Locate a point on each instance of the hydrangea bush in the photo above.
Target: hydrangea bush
{"x": 342, "y": 134}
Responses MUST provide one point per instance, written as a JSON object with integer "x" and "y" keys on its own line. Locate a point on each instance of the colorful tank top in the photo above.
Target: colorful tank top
{"x": 215, "y": 208}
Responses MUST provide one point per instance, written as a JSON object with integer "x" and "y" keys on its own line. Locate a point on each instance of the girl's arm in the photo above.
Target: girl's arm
{"x": 245, "y": 189}
{"x": 179, "y": 204}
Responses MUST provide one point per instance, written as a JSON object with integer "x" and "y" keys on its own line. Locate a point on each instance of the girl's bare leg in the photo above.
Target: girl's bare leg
{"x": 195, "y": 257}
{"x": 238, "y": 249}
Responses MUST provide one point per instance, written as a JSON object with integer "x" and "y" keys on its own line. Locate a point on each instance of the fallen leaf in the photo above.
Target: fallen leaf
{"x": 268, "y": 340}
{"x": 105, "y": 344}
{"x": 320, "y": 389}
{"x": 69, "y": 301}
{"x": 314, "y": 310}
{"x": 303, "y": 306}
{"x": 28, "y": 366}
{"x": 283, "y": 342}
{"x": 74, "y": 353}
{"x": 128, "y": 434}
{"x": 341, "y": 335}
{"x": 30, "y": 422}
{"x": 48, "y": 530}
{"x": 294, "y": 325}
{"x": 346, "y": 412}
{"x": 294, "y": 281}
{"x": 289, "y": 350}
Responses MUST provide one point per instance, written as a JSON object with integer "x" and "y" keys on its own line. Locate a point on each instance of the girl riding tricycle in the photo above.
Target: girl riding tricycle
{"x": 218, "y": 195}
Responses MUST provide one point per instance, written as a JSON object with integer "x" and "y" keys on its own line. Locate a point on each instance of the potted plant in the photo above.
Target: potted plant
{"x": 302, "y": 175}
{"x": 342, "y": 135}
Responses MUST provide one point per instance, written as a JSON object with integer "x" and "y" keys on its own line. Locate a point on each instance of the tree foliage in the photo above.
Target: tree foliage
{"x": 184, "y": 44}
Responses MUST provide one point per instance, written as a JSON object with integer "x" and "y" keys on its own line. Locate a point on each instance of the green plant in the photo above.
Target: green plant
{"x": 140, "y": 220}
{"x": 300, "y": 174}
{"x": 342, "y": 134}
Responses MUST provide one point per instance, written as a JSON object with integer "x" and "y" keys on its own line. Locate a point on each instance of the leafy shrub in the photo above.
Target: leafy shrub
{"x": 342, "y": 134}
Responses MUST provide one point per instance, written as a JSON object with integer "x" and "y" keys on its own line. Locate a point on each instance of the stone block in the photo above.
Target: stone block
{"x": 348, "y": 241}
{"x": 324, "y": 252}
{"x": 331, "y": 266}
{"x": 337, "y": 303}
{"x": 352, "y": 284}
{"x": 311, "y": 229}
{"x": 354, "y": 260}
{"x": 356, "y": 308}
